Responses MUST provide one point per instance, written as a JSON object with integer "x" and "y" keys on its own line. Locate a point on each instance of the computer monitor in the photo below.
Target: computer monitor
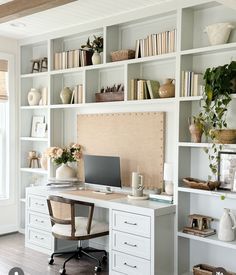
{"x": 102, "y": 170}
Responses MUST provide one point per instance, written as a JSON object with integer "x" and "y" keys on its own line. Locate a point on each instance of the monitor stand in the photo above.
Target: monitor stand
{"x": 104, "y": 192}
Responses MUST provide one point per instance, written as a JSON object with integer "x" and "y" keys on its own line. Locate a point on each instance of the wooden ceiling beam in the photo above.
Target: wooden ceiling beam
{"x": 19, "y": 8}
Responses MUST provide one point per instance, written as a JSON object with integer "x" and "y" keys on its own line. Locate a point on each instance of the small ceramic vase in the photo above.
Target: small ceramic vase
{"x": 196, "y": 132}
{"x": 44, "y": 162}
{"x": 169, "y": 188}
{"x": 167, "y": 89}
{"x": 66, "y": 95}
{"x": 96, "y": 58}
{"x": 65, "y": 172}
{"x": 34, "y": 97}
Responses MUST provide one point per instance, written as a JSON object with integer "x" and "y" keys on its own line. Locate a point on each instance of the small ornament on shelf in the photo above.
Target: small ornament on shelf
{"x": 33, "y": 159}
{"x": 114, "y": 93}
{"x": 199, "y": 225}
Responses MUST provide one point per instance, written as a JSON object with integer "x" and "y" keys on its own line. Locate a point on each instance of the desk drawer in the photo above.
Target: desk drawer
{"x": 129, "y": 265}
{"x": 41, "y": 221}
{"x": 40, "y": 238}
{"x": 131, "y": 223}
{"x": 131, "y": 244}
{"x": 37, "y": 203}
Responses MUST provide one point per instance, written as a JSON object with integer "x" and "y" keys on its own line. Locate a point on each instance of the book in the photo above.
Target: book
{"x": 137, "y": 48}
{"x": 197, "y": 81}
{"x": 133, "y": 89}
{"x": 70, "y": 59}
{"x": 162, "y": 196}
{"x": 153, "y": 88}
{"x": 140, "y": 89}
{"x": 76, "y": 57}
{"x": 198, "y": 232}
{"x": 80, "y": 93}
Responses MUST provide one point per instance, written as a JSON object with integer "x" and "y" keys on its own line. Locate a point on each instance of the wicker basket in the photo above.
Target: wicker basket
{"x": 200, "y": 184}
{"x": 203, "y": 269}
{"x": 225, "y": 136}
{"x": 122, "y": 55}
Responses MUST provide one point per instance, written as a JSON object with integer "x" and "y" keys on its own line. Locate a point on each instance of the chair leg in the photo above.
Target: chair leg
{"x": 75, "y": 255}
{"x": 92, "y": 257}
{"x": 95, "y": 250}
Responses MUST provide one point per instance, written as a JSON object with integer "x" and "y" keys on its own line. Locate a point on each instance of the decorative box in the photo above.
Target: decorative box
{"x": 122, "y": 55}
{"x": 203, "y": 269}
{"x": 109, "y": 96}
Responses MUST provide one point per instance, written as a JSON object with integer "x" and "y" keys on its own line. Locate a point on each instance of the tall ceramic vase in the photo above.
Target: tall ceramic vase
{"x": 96, "y": 58}
{"x": 65, "y": 172}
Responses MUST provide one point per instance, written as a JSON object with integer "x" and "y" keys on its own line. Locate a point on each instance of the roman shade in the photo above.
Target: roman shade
{"x": 3, "y": 80}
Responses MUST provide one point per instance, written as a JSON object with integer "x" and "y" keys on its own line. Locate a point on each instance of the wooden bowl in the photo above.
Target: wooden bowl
{"x": 225, "y": 136}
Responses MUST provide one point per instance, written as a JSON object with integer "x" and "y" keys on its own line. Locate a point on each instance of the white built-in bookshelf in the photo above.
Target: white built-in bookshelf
{"x": 193, "y": 53}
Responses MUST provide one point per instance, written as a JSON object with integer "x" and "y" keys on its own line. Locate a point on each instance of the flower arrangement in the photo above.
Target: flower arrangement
{"x": 71, "y": 153}
{"x": 95, "y": 45}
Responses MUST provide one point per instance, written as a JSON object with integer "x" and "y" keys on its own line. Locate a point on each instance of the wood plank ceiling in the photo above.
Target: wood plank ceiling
{"x": 19, "y": 8}
{"x": 72, "y": 14}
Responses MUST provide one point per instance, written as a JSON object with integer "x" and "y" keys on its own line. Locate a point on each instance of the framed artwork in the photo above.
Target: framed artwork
{"x": 36, "y": 120}
{"x": 227, "y": 170}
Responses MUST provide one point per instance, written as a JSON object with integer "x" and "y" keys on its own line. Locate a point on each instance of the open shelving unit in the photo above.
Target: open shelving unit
{"x": 192, "y": 53}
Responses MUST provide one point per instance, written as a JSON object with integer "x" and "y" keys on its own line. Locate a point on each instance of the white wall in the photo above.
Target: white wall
{"x": 9, "y": 209}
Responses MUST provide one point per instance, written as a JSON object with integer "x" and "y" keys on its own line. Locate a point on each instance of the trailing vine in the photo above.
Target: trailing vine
{"x": 219, "y": 85}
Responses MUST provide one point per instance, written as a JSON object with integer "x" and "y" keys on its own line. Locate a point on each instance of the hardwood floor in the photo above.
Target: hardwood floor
{"x": 13, "y": 253}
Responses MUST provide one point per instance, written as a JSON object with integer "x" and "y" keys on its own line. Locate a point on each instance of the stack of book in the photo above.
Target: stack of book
{"x": 155, "y": 44}
{"x": 191, "y": 83}
{"x": 144, "y": 89}
{"x": 77, "y": 95}
{"x": 72, "y": 59}
{"x": 163, "y": 197}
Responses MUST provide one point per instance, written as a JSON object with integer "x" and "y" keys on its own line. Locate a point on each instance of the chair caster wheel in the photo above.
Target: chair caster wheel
{"x": 62, "y": 271}
{"x": 97, "y": 269}
{"x": 50, "y": 261}
{"x": 104, "y": 259}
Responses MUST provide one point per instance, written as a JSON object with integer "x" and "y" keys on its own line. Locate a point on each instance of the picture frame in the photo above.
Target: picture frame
{"x": 41, "y": 129}
{"x": 227, "y": 170}
{"x": 36, "y": 120}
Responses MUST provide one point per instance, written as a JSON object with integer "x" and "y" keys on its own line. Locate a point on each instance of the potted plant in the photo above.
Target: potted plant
{"x": 95, "y": 45}
{"x": 219, "y": 85}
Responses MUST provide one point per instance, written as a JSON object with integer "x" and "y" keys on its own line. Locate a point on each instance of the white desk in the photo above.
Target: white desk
{"x": 141, "y": 239}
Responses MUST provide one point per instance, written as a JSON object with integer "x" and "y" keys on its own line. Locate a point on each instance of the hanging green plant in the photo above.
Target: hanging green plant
{"x": 219, "y": 85}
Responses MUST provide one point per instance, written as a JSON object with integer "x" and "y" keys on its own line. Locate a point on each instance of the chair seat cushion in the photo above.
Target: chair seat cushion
{"x": 80, "y": 228}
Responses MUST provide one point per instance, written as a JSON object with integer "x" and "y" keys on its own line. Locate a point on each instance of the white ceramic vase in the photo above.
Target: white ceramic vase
{"x": 169, "y": 188}
{"x": 34, "y": 97}
{"x": 96, "y": 58}
{"x": 218, "y": 33}
{"x": 44, "y": 162}
{"x": 226, "y": 227}
{"x": 65, "y": 172}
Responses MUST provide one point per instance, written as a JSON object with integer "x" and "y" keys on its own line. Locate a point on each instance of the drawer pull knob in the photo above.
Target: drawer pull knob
{"x": 130, "y": 244}
{"x": 130, "y": 223}
{"x": 132, "y": 266}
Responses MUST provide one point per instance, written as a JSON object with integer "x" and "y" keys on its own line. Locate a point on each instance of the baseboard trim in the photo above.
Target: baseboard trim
{"x": 7, "y": 229}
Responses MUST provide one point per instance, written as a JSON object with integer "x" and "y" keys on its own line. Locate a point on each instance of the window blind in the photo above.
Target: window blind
{"x": 3, "y": 80}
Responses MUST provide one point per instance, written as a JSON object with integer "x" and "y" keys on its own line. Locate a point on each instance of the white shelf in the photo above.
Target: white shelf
{"x": 205, "y": 145}
{"x": 190, "y": 98}
{"x": 211, "y": 240}
{"x": 34, "y": 170}
{"x": 33, "y": 139}
{"x": 36, "y": 107}
{"x": 161, "y": 57}
{"x": 34, "y": 75}
{"x": 210, "y": 49}
{"x": 225, "y": 193}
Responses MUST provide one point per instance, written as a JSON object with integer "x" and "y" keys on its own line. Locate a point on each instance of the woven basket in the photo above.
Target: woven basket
{"x": 122, "y": 55}
{"x": 225, "y": 136}
{"x": 203, "y": 269}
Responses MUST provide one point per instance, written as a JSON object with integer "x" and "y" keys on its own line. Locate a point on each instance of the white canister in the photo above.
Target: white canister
{"x": 34, "y": 97}
{"x": 218, "y": 33}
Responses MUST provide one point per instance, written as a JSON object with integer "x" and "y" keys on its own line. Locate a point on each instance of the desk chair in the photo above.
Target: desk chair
{"x": 65, "y": 225}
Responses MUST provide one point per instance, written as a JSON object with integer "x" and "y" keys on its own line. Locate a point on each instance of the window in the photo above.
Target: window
{"x": 4, "y": 129}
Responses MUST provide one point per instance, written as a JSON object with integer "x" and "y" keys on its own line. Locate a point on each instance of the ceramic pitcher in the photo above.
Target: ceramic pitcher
{"x": 227, "y": 225}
